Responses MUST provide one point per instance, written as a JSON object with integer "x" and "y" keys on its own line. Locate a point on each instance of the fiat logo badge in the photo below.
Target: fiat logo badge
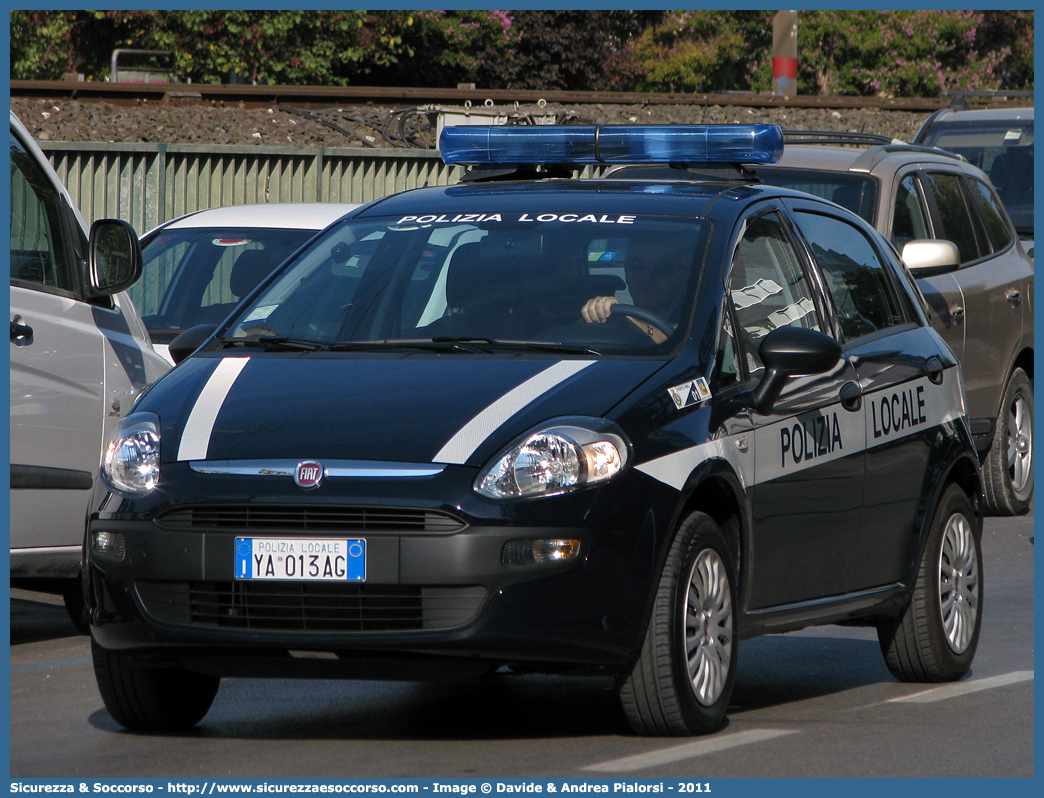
{"x": 309, "y": 474}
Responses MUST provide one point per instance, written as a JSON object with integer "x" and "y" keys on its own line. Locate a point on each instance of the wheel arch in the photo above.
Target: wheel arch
{"x": 1024, "y": 361}
{"x": 715, "y": 489}
{"x": 964, "y": 472}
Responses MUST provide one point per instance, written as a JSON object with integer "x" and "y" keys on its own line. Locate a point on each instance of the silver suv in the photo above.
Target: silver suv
{"x": 957, "y": 239}
{"x": 1000, "y": 142}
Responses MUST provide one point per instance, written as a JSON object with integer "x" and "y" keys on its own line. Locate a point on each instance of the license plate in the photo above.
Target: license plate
{"x": 300, "y": 559}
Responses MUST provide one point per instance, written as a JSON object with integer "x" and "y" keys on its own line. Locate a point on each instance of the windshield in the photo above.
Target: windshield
{"x": 199, "y": 275}
{"x": 484, "y": 282}
{"x": 1004, "y": 151}
{"x": 854, "y": 192}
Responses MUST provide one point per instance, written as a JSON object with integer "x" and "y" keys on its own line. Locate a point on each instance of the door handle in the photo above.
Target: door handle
{"x": 957, "y": 314}
{"x": 21, "y": 333}
{"x": 851, "y": 396}
{"x": 1014, "y": 297}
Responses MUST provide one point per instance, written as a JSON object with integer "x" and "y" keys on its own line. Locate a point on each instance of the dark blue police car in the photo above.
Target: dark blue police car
{"x": 537, "y": 423}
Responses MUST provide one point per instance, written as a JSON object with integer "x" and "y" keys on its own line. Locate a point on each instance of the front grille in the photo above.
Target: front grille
{"x": 305, "y": 518}
{"x": 309, "y": 606}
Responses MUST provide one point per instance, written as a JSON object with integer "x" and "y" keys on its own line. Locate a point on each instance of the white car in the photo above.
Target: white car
{"x": 198, "y": 267}
{"x": 80, "y": 355}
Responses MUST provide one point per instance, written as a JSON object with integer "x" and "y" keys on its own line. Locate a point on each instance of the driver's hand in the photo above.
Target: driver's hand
{"x": 598, "y": 310}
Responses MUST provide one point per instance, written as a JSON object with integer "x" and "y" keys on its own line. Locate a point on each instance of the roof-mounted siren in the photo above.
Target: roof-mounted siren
{"x": 611, "y": 144}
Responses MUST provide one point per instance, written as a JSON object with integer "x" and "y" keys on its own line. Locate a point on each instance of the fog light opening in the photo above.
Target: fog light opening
{"x": 110, "y": 545}
{"x": 534, "y": 552}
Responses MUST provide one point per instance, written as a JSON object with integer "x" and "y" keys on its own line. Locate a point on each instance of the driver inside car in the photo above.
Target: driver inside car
{"x": 654, "y": 279}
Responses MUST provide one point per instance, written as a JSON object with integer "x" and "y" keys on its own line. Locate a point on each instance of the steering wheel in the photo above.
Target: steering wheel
{"x": 642, "y": 314}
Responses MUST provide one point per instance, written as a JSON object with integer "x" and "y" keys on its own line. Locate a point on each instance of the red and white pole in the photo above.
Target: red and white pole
{"x": 784, "y": 54}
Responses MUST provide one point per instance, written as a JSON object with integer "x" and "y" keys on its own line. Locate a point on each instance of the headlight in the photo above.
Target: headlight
{"x": 132, "y": 459}
{"x": 553, "y": 460}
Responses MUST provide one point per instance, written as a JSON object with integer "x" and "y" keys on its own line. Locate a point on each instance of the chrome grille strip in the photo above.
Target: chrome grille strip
{"x": 335, "y": 469}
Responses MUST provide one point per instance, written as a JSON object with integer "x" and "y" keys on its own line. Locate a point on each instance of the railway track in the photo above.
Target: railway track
{"x": 319, "y": 97}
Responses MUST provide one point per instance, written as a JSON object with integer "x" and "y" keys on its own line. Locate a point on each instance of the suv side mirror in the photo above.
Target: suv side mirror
{"x": 188, "y": 341}
{"x": 114, "y": 262}
{"x": 930, "y": 256}
{"x": 788, "y": 351}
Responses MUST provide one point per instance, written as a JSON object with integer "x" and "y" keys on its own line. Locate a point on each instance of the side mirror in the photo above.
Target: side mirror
{"x": 788, "y": 351}
{"x": 114, "y": 260}
{"x": 930, "y": 256}
{"x": 189, "y": 341}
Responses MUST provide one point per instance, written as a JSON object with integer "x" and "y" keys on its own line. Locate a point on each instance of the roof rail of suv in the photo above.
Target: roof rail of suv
{"x": 834, "y": 137}
{"x": 869, "y": 159}
{"x": 880, "y": 146}
{"x": 960, "y": 102}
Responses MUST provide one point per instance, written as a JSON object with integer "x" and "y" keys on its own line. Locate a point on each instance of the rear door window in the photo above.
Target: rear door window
{"x": 988, "y": 206}
{"x": 864, "y": 297}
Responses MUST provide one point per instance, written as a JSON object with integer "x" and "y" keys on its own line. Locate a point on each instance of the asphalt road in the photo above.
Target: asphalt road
{"x": 815, "y": 703}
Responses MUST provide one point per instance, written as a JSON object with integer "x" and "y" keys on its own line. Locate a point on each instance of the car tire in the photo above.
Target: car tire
{"x": 1008, "y": 469}
{"x": 694, "y": 610}
{"x": 142, "y": 696}
{"x": 75, "y": 606}
{"x": 935, "y": 637}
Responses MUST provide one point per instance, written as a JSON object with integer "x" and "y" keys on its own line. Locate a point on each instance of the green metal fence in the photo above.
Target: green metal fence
{"x": 146, "y": 184}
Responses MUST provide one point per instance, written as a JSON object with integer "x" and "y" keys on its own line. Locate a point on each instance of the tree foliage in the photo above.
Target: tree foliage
{"x": 863, "y": 53}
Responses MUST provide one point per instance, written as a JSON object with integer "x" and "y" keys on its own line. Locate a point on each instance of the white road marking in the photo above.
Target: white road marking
{"x": 462, "y": 445}
{"x": 195, "y": 438}
{"x": 958, "y": 689}
{"x": 45, "y": 666}
{"x": 678, "y": 753}
{"x": 715, "y": 744}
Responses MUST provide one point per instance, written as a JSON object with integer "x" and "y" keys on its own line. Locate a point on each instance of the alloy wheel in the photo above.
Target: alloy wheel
{"x": 708, "y": 627}
{"x": 958, "y": 583}
{"x": 1020, "y": 444}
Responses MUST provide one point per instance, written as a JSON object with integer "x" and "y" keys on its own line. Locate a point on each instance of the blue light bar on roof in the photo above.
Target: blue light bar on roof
{"x": 579, "y": 144}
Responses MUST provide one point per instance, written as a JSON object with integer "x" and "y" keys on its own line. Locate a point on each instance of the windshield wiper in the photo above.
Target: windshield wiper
{"x": 270, "y": 342}
{"x": 423, "y": 344}
{"x": 474, "y": 346}
{"x": 500, "y": 343}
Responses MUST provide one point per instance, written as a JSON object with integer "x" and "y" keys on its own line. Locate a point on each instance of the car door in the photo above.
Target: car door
{"x": 57, "y": 364}
{"x": 993, "y": 286}
{"x": 809, "y": 463}
{"x": 981, "y": 303}
{"x": 900, "y": 374}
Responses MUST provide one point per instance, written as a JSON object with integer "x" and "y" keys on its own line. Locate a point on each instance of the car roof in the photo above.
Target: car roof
{"x": 953, "y": 116}
{"x": 845, "y": 159}
{"x": 276, "y": 215}
{"x": 682, "y": 197}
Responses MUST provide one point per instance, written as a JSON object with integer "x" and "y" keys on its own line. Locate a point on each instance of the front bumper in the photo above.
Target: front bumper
{"x": 436, "y": 586}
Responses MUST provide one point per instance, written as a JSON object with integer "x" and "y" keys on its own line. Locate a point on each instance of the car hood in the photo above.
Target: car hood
{"x": 459, "y": 408}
